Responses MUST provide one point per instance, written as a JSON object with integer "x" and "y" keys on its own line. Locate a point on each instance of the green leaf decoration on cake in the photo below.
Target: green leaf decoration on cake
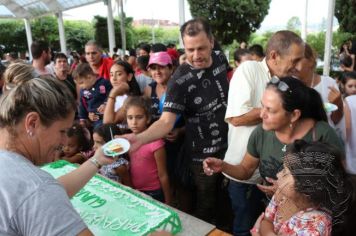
{"x": 58, "y": 164}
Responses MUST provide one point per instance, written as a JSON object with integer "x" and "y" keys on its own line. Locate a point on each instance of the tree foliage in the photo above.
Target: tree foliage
{"x": 231, "y": 19}
{"x": 78, "y": 33}
{"x": 12, "y": 36}
{"x": 162, "y": 35}
{"x": 294, "y": 24}
{"x": 101, "y": 32}
{"x": 46, "y": 29}
{"x": 345, "y": 13}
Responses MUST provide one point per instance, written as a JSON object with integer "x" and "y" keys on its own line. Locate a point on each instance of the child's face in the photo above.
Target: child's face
{"x": 137, "y": 119}
{"x": 98, "y": 141}
{"x": 350, "y": 87}
{"x": 86, "y": 82}
{"x": 71, "y": 146}
{"x": 285, "y": 183}
{"x": 118, "y": 75}
{"x": 160, "y": 74}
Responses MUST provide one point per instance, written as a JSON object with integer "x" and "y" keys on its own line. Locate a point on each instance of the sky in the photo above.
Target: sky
{"x": 280, "y": 11}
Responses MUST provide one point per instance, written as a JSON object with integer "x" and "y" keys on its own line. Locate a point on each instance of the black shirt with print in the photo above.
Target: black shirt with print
{"x": 200, "y": 95}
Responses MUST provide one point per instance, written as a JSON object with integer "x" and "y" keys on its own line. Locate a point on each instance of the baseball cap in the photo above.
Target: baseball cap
{"x": 160, "y": 58}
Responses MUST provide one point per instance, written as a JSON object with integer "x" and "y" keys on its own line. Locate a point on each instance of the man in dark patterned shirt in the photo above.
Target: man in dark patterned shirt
{"x": 198, "y": 90}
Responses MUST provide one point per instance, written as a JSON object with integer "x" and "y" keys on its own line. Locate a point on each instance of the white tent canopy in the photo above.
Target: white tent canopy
{"x": 29, "y": 9}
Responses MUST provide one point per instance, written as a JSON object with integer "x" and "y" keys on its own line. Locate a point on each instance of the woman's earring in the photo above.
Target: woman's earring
{"x": 290, "y": 125}
{"x": 29, "y": 133}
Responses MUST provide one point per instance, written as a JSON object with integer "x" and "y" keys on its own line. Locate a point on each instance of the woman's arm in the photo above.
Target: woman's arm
{"x": 124, "y": 174}
{"x": 147, "y": 91}
{"x": 109, "y": 112}
{"x": 336, "y": 98}
{"x": 242, "y": 171}
{"x": 160, "y": 157}
{"x": 266, "y": 228}
{"x": 347, "y": 120}
{"x": 75, "y": 180}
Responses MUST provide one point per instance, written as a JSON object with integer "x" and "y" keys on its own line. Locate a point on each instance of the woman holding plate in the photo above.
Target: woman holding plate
{"x": 325, "y": 85}
{"x": 34, "y": 117}
{"x": 290, "y": 111}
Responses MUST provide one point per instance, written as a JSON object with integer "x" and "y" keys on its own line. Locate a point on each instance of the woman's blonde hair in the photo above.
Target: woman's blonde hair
{"x": 48, "y": 97}
{"x": 17, "y": 73}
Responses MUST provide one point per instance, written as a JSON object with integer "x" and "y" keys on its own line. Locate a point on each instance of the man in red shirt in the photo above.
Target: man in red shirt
{"x": 99, "y": 64}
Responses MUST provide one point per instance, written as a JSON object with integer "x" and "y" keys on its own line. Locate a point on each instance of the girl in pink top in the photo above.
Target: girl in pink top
{"x": 148, "y": 163}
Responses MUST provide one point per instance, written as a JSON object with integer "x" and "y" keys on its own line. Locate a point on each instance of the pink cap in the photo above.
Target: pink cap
{"x": 160, "y": 58}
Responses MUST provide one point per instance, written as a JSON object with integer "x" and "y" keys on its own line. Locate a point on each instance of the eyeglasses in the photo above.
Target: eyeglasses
{"x": 282, "y": 86}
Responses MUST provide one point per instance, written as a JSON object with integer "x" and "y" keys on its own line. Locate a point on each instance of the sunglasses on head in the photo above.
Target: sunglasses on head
{"x": 281, "y": 86}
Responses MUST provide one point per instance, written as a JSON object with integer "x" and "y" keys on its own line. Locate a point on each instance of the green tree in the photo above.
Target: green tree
{"x": 101, "y": 31}
{"x": 261, "y": 39}
{"x": 12, "y": 36}
{"x": 78, "y": 33}
{"x": 317, "y": 42}
{"x": 345, "y": 13}
{"x": 294, "y": 24}
{"x": 231, "y": 19}
{"x": 46, "y": 29}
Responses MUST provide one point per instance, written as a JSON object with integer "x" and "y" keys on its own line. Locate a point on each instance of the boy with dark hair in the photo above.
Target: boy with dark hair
{"x": 61, "y": 69}
{"x": 94, "y": 92}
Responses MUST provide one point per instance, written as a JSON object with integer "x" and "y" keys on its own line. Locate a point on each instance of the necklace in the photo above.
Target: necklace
{"x": 284, "y": 148}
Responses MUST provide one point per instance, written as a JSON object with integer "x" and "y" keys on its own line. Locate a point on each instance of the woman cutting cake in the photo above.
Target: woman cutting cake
{"x": 32, "y": 202}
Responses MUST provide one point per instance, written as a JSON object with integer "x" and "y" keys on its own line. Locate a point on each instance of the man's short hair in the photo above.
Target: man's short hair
{"x": 37, "y": 47}
{"x": 145, "y": 47}
{"x": 345, "y": 60}
{"x": 142, "y": 62}
{"x": 281, "y": 42}
{"x": 257, "y": 50}
{"x": 240, "y": 52}
{"x": 94, "y": 43}
{"x": 158, "y": 47}
{"x": 195, "y": 26}
{"x": 60, "y": 55}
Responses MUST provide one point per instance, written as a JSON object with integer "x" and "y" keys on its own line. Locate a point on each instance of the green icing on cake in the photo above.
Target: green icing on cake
{"x": 109, "y": 208}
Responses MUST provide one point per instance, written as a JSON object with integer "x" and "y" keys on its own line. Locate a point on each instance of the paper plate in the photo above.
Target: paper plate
{"x": 125, "y": 144}
{"x": 329, "y": 107}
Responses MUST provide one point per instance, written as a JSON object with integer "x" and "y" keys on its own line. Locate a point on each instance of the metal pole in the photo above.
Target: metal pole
{"x": 122, "y": 26}
{"x": 181, "y": 19}
{"x": 328, "y": 37}
{"x": 305, "y": 21}
{"x": 62, "y": 36}
{"x": 111, "y": 29}
{"x": 29, "y": 37}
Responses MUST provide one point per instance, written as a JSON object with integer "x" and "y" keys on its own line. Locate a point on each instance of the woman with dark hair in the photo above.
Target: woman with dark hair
{"x": 123, "y": 81}
{"x": 290, "y": 111}
{"x": 313, "y": 197}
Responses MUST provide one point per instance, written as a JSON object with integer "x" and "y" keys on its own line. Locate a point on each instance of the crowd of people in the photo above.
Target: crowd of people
{"x": 266, "y": 140}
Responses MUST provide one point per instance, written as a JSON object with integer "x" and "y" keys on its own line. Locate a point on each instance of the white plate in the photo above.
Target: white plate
{"x": 125, "y": 144}
{"x": 329, "y": 107}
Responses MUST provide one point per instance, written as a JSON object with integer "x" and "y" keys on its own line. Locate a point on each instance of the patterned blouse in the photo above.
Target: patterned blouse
{"x": 309, "y": 222}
